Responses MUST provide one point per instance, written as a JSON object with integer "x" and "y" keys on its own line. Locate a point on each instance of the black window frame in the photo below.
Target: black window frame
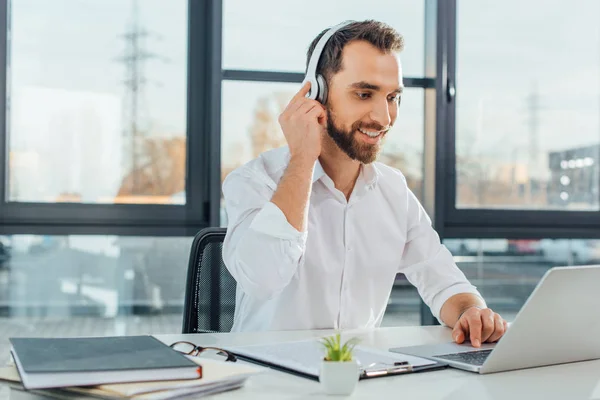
{"x": 135, "y": 219}
{"x": 488, "y": 223}
{"x": 203, "y": 165}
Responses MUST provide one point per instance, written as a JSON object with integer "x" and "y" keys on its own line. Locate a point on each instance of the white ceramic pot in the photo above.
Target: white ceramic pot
{"x": 338, "y": 377}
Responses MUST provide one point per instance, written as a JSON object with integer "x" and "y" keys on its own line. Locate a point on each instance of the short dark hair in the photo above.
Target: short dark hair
{"x": 379, "y": 34}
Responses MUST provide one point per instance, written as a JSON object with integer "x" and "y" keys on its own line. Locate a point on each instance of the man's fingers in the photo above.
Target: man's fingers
{"x": 302, "y": 92}
{"x": 498, "y": 329}
{"x": 319, "y": 113}
{"x": 457, "y": 333}
{"x": 459, "y": 337}
{"x": 479, "y": 325}
{"x": 296, "y": 101}
{"x": 304, "y": 108}
{"x": 460, "y": 333}
{"x": 301, "y": 106}
{"x": 488, "y": 324}
{"x": 475, "y": 326}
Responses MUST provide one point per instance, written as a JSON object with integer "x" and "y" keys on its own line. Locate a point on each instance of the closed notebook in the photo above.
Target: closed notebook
{"x": 217, "y": 376}
{"x": 48, "y": 363}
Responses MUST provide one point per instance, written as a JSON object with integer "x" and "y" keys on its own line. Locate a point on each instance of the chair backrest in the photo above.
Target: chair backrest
{"x": 210, "y": 289}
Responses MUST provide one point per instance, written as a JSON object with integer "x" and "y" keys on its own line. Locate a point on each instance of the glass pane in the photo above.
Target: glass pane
{"x": 250, "y": 126}
{"x": 97, "y": 101}
{"x": 507, "y": 271}
{"x": 275, "y": 35}
{"x": 91, "y": 285}
{"x": 528, "y": 105}
{"x": 404, "y": 305}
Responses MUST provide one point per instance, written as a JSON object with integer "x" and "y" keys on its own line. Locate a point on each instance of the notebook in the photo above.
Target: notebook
{"x": 303, "y": 358}
{"x": 218, "y": 376}
{"x": 60, "y": 362}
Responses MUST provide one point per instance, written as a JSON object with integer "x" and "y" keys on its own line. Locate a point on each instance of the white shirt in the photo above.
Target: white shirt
{"x": 340, "y": 272}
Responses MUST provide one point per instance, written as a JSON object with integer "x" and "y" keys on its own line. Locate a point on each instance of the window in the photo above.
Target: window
{"x": 101, "y": 276}
{"x": 277, "y": 37}
{"x": 249, "y": 124}
{"x": 97, "y": 101}
{"x": 91, "y": 285}
{"x": 528, "y": 105}
{"x": 506, "y": 271}
{"x": 264, "y": 59}
{"x": 403, "y": 307}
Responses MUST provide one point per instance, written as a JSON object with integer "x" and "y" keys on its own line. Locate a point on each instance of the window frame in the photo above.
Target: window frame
{"x": 485, "y": 222}
{"x": 203, "y": 165}
{"x": 132, "y": 219}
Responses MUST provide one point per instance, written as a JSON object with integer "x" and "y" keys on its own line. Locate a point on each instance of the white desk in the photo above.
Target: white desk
{"x": 564, "y": 382}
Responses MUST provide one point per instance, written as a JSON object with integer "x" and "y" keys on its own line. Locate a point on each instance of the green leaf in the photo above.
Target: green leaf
{"x": 335, "y": 350}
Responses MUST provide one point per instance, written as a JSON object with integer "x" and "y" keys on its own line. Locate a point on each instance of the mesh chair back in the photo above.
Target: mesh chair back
{"x": 210, "y": 289}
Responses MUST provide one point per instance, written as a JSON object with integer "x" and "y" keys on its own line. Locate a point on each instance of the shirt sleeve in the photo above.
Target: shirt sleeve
{"x": 262, "y": 250}
{"x": 428, "y": 264}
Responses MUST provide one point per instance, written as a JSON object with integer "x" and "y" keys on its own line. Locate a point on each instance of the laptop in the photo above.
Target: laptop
{"x": 559, "y": 323}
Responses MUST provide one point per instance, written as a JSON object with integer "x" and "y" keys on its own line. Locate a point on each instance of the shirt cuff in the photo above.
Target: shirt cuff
{"x": 444, "y": 295}
{"x": 271, "y": 221}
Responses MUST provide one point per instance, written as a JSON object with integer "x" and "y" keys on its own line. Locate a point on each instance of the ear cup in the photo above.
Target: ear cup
{"x": 314, "y": 87}
{"x": 322, "y": 95}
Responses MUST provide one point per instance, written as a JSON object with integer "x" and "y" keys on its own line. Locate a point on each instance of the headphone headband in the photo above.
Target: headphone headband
{"x": 311, "y": 70}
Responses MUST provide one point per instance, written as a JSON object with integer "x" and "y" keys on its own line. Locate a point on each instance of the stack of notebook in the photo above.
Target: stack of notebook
{"x": 136, "y": 367}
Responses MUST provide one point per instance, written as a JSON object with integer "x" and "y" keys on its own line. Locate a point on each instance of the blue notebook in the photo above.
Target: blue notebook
{"x": 61, "y": 362}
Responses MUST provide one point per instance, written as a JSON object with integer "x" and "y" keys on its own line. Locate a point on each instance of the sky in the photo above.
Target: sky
{"x": 504, "y": 50}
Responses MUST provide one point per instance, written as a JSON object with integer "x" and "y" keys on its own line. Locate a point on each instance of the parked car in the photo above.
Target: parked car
{"x": 464, "y": 247}
{"x": 570, "y": 251}
{"x": 524, "y": 246}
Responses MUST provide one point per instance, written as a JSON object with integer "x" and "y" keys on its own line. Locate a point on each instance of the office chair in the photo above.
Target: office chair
{"x": 210, "y": 289}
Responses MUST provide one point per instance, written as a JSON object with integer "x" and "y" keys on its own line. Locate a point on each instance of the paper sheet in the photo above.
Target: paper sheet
{"x": 217, "y": 376}
{"x": 306, "y": 355}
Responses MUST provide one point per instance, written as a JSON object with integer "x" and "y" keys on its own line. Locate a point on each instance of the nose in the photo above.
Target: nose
{"x": 381, "y": 114}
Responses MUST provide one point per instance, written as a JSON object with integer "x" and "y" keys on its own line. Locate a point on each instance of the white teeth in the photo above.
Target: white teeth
{"x": 370, "y": 134}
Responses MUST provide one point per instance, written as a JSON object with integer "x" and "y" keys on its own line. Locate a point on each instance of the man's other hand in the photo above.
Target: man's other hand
{"x": 479, "y": 325}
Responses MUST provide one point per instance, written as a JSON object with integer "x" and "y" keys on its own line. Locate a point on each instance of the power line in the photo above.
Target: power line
{"x": 134, "y": 58}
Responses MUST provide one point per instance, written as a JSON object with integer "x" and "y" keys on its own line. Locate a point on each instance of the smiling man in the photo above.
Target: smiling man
{"x": 318, "y": 229}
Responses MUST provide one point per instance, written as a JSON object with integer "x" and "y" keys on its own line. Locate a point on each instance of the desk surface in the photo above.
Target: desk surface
{"x": 568, "y": 381}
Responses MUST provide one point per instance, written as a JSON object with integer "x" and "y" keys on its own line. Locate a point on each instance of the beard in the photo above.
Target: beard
{"x": 347, "y": 141}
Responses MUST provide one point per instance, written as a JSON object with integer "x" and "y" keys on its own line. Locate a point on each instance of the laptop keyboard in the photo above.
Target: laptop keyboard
{"x": 470, "y": 357}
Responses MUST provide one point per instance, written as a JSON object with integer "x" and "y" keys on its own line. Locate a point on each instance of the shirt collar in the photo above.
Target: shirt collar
{"x": 369, "y": 172}
{"x": 318, "y": 172}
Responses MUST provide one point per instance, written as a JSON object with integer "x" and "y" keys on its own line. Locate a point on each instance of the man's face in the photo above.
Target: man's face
{"x": 363, "y": 100}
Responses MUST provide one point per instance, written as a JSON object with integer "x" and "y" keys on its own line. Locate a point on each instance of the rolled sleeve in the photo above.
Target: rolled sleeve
{"x": 452, "y": 282}
{"x": 262, "y": 250}
{"x": 271, "y": 221}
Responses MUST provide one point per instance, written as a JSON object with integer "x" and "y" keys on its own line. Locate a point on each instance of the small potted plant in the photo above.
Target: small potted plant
{"x": 339, "y": 370}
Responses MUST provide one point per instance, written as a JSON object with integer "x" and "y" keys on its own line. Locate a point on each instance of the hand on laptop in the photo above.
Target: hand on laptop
{"x": 479, "y": 325}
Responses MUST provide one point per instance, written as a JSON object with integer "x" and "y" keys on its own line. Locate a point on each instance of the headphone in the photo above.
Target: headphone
{"x": 318, "y": 86}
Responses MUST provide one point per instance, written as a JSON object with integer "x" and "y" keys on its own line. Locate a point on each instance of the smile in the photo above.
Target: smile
{"x": 372, "y": 134}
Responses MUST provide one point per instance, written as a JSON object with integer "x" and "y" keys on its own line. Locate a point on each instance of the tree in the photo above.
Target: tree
{"x": 162, "y": 171}
{"x": 265, "y": 132}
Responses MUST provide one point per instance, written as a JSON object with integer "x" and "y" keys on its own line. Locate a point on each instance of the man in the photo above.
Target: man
{"x": 318, "y": 231}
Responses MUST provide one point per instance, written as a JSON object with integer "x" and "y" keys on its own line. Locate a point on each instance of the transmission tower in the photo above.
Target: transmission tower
{"x": 134, "y": 58}
{"x": 533, "y": 107}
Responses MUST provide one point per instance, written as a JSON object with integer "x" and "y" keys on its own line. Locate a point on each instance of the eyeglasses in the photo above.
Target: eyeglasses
{"x": 191, "y": 349}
